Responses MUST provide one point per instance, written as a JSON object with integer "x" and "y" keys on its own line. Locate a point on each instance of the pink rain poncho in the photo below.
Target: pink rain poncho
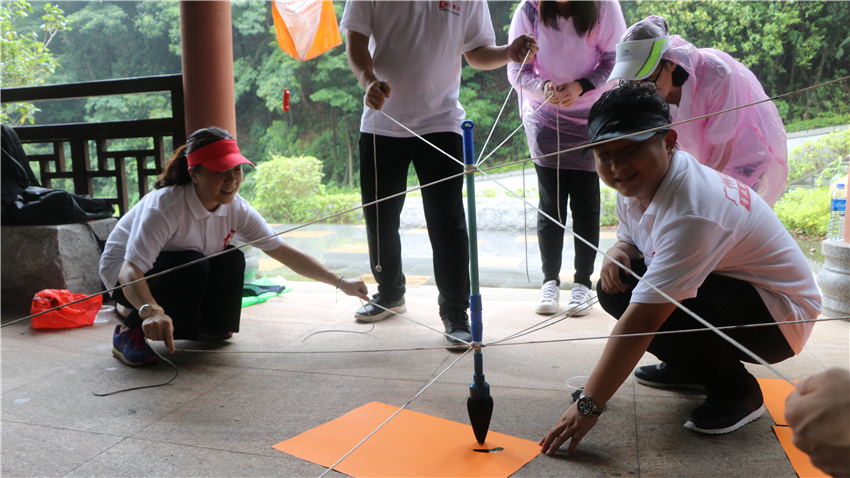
{"x": 564, "y": 57}
{"x": 754, "y": 136}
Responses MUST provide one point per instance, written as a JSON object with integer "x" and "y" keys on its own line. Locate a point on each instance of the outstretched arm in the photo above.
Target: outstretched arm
{"x": 159, "y": 325}
{"x": 618, "y": 360}
{"x": 306, "y": 265}
{"x": 490, "y": 57}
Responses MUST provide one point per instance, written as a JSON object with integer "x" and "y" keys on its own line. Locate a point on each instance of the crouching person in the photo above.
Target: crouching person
{"x": 707, "y": 241}
{"x": 194, "y": 212}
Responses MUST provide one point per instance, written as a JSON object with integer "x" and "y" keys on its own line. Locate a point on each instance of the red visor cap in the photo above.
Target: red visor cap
{"x": 219, "y": 156}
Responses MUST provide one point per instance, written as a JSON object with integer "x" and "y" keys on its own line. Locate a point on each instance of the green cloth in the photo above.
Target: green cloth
{"x": 258, "y": 299}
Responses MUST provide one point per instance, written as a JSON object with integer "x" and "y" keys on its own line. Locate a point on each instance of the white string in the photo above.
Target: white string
{"x": 524, "y": 141}
{"x": 510, "y": 91}
{"x": 423, "y": 325}
{"x": 500, "y": 343}
{"x": 394, "y": 414}
{"x": 372, "y": 321}
{"x": 558, "y": 167}
{"x": 521, "y": 125}
{"x": 378, "y": 267}
{"x": 425, "y": 140}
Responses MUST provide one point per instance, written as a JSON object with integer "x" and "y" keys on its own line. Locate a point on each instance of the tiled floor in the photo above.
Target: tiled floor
{"x": 225, "y": 410}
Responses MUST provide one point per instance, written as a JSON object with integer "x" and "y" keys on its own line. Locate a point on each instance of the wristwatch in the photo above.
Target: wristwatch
{"x": 147, "y": 310}
{"x": 587, "y": 408}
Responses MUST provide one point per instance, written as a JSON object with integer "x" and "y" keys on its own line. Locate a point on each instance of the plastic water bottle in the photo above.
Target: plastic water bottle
{"x": 837, "y": 206}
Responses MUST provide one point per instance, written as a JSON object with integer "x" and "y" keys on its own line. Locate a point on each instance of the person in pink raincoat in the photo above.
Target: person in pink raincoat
{"x": 577, "y": 41}
{"x": 748, "y": 144}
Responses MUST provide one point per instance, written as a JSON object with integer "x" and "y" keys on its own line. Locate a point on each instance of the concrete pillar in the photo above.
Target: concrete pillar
{"x": 834, "y": 278}
{"x": 207, "y": 44}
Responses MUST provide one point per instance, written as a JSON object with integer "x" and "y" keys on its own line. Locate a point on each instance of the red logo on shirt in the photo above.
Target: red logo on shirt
{"x": 735, "y": 185}
{"x": 228, "y": 238}
{"x": 450, "y": 7}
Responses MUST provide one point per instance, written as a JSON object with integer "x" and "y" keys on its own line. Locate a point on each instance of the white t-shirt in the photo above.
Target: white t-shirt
{"x": 173, "y": 219}
{"x": 417, "y": 47}
{"x": 701, "y": 221}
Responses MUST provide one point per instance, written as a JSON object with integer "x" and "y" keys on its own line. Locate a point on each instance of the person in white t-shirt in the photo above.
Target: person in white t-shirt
{"x": 194, "y": 212}
{"x": 407, "y": 56}
{"x": 709, "y": 242}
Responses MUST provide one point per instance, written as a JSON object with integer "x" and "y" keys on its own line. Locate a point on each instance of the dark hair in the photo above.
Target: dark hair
{"x": 176, "y": 171}
{"x": 585, "y": 15}
{"x": 628, "y": 98}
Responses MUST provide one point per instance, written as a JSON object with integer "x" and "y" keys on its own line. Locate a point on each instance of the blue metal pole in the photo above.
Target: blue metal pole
{"x": 480, "y": 403}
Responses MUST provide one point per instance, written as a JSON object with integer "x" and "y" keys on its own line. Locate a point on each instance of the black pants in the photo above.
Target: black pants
{"x": 706, "y": 356}
{"x": 443, "y": 204}
{"x": 582, "y": 189}
{"x": 205, "y": 297}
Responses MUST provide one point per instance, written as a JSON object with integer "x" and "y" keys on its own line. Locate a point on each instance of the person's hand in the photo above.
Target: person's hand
{"x": 609, "y": 277}
{"x": 159, "y": 327}
{"x": 573, "y": 425}
{"x": 550, "y": 91}
{"x": 355, "y": 288}
{"x": 376, "y": 94}
{"x": 569, "y": 93}
{"x": 522, "y": 45}
{"x": 819, "y": 415}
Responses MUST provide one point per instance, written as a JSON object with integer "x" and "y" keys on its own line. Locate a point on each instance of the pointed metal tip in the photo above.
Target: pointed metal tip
{"x": 480, "y": 410}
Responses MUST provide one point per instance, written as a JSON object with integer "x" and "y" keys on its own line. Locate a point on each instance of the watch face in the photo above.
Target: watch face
{"x": 145, "y": 311}
{"x": 585, "y": 405}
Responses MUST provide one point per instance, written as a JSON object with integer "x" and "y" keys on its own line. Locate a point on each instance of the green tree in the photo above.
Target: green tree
{"x": 787, "y": 45}
{"x": 25, "y": 59}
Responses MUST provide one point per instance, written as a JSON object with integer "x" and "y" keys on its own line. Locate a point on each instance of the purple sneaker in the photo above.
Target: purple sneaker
{"x": 131, "y": 348}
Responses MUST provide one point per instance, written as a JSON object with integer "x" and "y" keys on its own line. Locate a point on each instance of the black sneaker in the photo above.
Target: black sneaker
{"x": 717, "y": 416}
{"x": 457, "y": 326}
{"x": 372, "y": 313}
{"x": 664, "y": 375}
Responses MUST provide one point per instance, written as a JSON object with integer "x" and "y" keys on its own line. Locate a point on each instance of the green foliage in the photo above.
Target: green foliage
{"x": 804, "y": 211}
{"x": 814, "y": 156}
{"x": 289, "y": 189}
{"x": 787, "y": 45}
{"x": 608, "y": 206}
{"x": 25, "y": 59}
{"x": 822, "y": 121}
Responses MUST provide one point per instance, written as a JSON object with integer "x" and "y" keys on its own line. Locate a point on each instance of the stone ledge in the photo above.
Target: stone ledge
{"x": 50, "y": 257}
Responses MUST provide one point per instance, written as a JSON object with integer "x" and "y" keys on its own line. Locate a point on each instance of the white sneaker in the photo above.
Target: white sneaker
{"x": 547, "y": 303}
{"x": 579, "y": 304}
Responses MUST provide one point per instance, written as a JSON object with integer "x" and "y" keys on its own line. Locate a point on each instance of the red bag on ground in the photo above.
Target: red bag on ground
{"x": 76, "y": 315}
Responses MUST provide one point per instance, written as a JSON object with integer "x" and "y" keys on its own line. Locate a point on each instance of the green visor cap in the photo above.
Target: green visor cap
{"x": 637, "y": 59}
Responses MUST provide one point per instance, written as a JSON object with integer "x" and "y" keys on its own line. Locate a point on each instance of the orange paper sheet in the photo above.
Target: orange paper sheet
{"x": 799, "y": 460}
{"x": 775, "y": 392}
{"x": 411, "y": 444}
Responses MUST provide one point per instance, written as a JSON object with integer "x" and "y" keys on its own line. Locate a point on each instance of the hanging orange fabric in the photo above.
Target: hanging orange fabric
{"x": 305, "y": 29}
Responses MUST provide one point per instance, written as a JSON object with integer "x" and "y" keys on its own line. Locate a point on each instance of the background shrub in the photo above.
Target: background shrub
{"x": 814, "y": 156}
{"x": 804, "y": 211}
{"x": 608, "y": 206}
{"x": 290, "y": 189}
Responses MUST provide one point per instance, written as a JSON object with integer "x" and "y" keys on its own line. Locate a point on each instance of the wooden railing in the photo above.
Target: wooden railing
{"x": 78, "y": 135}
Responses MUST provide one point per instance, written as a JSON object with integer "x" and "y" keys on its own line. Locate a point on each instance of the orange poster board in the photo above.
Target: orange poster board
{"x": 799, "y": 460}
{"x": 775, "y": 392}
{"x": 411, "y": 444}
